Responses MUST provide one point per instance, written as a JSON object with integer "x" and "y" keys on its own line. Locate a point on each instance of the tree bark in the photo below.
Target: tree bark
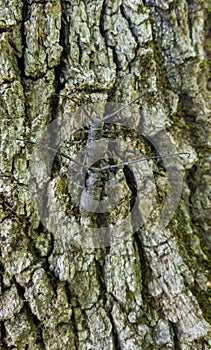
{"x": 146, "y": 290}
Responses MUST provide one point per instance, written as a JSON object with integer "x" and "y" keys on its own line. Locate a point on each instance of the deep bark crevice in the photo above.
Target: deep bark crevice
{"x": 145, "y": 273}
{"x": 174, "y": 328}
{"x": 3, "y": 335}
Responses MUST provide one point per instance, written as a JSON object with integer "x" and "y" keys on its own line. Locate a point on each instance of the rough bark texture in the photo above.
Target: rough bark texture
{"x": 152, "y": 290}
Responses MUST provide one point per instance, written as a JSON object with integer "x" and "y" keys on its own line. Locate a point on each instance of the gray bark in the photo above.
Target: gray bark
{"x": 148, "y": 290}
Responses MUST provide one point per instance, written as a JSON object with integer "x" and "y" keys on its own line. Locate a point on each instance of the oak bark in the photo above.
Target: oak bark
{"x": 151, "y": 290}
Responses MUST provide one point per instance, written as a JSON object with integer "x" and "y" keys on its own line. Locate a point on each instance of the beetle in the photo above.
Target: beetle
{"x": 95, "y": 169}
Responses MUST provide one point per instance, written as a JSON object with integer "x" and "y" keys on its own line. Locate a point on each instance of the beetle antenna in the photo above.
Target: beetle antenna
{"x": 106, "y": 167}
{"x": 41, "y": 145}
{"x": 127, "y": 105}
